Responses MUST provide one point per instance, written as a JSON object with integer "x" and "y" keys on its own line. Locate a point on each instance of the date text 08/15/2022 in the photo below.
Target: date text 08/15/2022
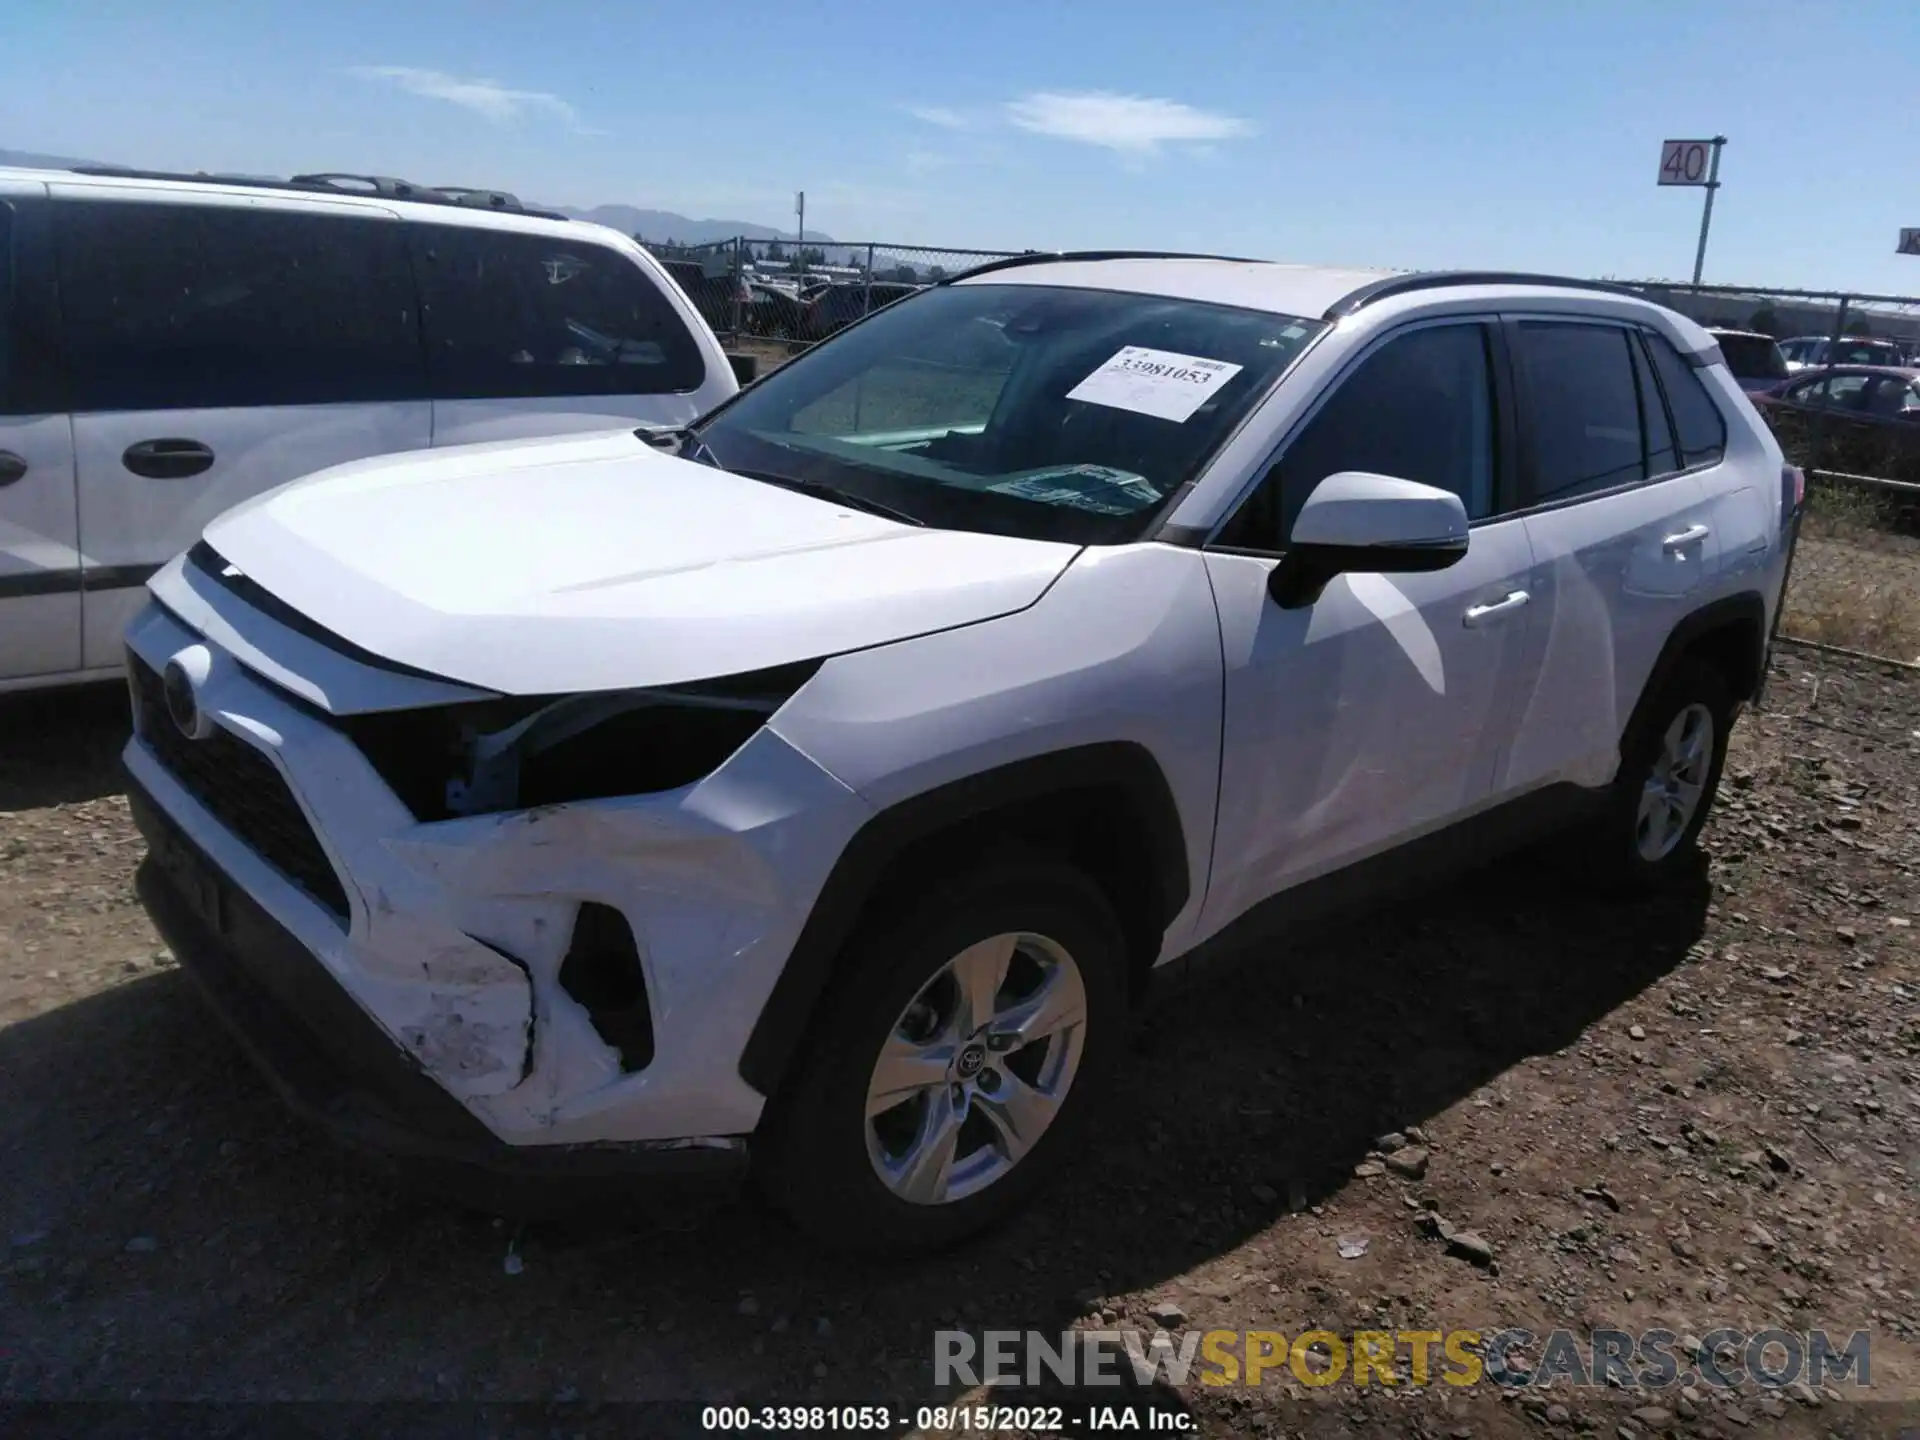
{"x": 938, "y": 1419}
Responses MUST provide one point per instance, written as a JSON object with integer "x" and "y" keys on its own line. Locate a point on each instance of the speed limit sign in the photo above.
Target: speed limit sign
{"x": 1685, "y": 162}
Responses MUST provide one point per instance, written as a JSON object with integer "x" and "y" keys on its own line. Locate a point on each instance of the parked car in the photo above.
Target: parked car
{"x": 1870, "y": 416}
{"x": 775, "y": 312}
{"x": 1814, "y": 351}
{"x": 1754, "y": 358}
{"x": 170, "y": 347}
{"x": 713, "y": 294}
{"x": 824, "y": 785}
{"x": 836, "y": 306}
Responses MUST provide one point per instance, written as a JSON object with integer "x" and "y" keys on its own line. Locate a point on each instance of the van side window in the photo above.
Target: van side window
{"x": 1703, "y": 429}
{"x": 511, "y": 314}
{"x": 218, "y": 306}
{"x": 1419, "y": 408}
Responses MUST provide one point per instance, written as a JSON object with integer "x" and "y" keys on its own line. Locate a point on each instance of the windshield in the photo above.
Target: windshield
{"x": 1048, "y": 413}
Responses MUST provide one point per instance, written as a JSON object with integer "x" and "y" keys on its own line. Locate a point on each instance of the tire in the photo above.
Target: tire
{"x": 823, "y": 1156}
{"x": 1638, "y": 846}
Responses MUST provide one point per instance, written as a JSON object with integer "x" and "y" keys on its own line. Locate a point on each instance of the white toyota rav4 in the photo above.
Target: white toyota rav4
{"x": 826, "y": 780}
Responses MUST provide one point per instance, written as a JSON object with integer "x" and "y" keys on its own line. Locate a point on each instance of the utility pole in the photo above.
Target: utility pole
{"x": 1706, "y": 210}
{"x": 800, "y": 244}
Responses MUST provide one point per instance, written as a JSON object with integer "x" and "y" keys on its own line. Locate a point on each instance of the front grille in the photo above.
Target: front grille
{"x": 243, "y": 790}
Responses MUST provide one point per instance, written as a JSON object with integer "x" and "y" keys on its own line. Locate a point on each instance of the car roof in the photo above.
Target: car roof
{"x": 1739, "y": 334}
{"x": 308, "y": 198}
{"x": 1301, "y": 291}
{"x": 1284, "y": 289}
{"x": 1897, "y": 372}
{"x": 1845, "y": 339}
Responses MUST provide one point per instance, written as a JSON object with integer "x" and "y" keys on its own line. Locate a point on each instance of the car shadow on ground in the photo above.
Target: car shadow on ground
{"x": 274, "y": 1265}
{"x": 62, "y": 747}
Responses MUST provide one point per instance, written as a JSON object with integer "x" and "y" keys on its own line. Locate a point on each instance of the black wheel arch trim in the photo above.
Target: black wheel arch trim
{"x": 1745, "y": 608}
{"x": 1125, "y": 766}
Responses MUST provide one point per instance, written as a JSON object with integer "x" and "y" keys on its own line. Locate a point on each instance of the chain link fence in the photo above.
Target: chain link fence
{"x": 1823, "y": 368}
{"x": 778, "y": 296}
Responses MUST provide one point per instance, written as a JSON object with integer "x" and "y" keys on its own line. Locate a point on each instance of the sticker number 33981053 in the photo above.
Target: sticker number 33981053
{"x": 1154, "y": 382}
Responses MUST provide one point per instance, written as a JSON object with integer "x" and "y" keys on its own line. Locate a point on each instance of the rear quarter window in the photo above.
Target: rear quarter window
{"x": 509, "y": 315}
{"x": 1697, "y": 421}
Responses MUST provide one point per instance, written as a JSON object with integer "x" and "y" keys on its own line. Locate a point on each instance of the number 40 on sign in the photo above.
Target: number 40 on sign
{"x": 1685, "y": 162}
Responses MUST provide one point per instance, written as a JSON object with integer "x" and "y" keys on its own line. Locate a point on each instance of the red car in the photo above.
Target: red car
{"x": 1871, "y": 415}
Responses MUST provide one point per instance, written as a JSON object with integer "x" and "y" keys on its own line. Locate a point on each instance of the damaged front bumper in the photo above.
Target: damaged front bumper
{"x": 334, "y": 1066}
{"x": 407, "y": 983}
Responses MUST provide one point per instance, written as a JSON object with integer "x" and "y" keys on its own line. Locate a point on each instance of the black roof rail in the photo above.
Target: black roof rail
{"x": 477, "y": 198}
{"x": 335, "y": 182}
{"x": 1054, "y": 257}
{"x": 379, "y": 187}
{"x": 1391, "y": 285}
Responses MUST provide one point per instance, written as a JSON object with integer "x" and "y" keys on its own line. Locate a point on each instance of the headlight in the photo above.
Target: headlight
{"x": 513, "y": 754}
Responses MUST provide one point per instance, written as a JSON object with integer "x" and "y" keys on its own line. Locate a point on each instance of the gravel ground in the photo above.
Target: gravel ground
{"x": 1689, "y": 1112}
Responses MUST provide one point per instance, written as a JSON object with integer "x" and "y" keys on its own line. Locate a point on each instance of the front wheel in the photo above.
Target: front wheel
{"x": 952, "y": 1063}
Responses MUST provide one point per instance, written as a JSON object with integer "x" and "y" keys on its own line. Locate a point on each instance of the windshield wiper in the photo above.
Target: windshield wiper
{"x": 822, "y": 491}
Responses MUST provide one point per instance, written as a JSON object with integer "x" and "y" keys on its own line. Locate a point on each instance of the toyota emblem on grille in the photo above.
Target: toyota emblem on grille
{"x": 180, "y": 683}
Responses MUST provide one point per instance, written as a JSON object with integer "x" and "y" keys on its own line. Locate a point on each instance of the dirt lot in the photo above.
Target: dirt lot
{"x": 1693, "y": 1112}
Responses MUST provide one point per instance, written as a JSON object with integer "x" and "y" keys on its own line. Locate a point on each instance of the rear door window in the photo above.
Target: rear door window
{"x": 219, "y": 306}
{"x": 510, "y": 314}
{"x": 1702, "y": 428}
{"x": 1582, "y": 407}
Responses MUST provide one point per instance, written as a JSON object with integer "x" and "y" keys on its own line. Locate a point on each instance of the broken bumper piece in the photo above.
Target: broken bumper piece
{"x": 333, "y": 1064}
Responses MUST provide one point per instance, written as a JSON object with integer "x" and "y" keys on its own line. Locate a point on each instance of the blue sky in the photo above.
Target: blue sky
{"x": 1374, "y": 132}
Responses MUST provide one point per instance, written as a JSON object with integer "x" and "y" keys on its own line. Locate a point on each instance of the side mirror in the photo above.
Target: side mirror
{"x": 746, "y": 368}
{"x": 1356, "y": 522}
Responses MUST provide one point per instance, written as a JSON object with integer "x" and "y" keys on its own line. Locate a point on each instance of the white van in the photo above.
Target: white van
{"x": 173, "y": 345}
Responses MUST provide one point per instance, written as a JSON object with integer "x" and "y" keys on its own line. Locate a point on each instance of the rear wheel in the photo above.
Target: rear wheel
{"x": 952, "y": 1063}
{"x": 1669, "y": 775}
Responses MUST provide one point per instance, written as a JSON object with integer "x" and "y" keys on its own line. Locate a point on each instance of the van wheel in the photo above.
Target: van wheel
{"x": 1669, "y": 774}
{"x": 953, "y": 1061}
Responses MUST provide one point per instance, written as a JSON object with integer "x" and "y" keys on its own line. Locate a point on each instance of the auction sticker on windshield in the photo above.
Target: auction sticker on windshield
{"x": 1154, "y": 382}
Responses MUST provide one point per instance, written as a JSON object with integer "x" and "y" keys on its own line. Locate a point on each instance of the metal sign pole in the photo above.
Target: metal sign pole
{"x": 1706, "y": 211}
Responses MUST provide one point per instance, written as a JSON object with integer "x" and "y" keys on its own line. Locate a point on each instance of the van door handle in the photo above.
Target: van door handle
{"x": 1686, "y": 537}
{"x": 1478, "y": 614}
{"x": 167, "y": 459}
{"x": 12, "y": 467}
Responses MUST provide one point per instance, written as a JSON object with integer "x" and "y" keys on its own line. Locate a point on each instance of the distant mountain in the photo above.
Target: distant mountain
{"x": 664, "y": 225}
{"x": 28, "y": 160}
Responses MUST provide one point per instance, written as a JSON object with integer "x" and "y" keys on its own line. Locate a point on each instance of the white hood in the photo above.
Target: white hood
{"x": 597, "y": 562}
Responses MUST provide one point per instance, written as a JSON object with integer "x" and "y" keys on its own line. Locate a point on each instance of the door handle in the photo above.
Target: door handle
{"x": 167, "y": 459}
{"x": 12, "y": 467}
{"x": 1686, "y": 537}
{"x": 1476, "y": 614}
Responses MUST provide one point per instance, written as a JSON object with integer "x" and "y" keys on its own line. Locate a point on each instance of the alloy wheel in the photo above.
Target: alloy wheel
{"x": 1670, "y": 797}
{"x": 975, "y": 1068}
